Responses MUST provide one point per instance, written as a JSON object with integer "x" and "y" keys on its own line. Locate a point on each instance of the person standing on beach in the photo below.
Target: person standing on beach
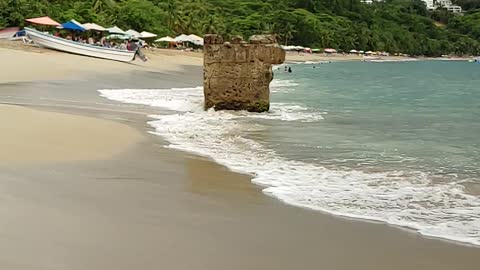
{"x": 135, "y": 47}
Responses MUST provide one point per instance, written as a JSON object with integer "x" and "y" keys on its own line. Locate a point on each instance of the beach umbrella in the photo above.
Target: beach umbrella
{"x": 145, "y": 34}
{"x": 133, "y": 33}
{"x": 43, "y": 21}
{"x": 115, "y": 30}
{"x": 72, "y": 25}
{"x": 93, "y": 26}
{"x": 353, "y": 51}
{"x": 8, "y": 33}
{"x": 368, "y": 52}
{"x": 361, "y": 52}
{"x": 118, "y": 36}
{"x": 329, "y": 50}
{"x": 165, "y": 39}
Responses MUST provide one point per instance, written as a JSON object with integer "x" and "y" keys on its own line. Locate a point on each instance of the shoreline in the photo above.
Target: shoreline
{"x": 155, "y": 198}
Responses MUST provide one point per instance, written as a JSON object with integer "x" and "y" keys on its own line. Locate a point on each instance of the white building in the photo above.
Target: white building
{"x": 369, "y": 2}
{"x": 434, "y": 4}
{"x": 444, "y": 3}
{"x": 430, "y": 4}
{"x": 454, "y": 8}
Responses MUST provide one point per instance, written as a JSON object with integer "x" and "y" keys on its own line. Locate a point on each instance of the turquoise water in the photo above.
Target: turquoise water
{"x": 392, "y": 142}
{"x": 413, "y": 116}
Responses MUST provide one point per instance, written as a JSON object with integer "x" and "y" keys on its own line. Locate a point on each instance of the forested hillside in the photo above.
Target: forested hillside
{"x": 394, "y": 25}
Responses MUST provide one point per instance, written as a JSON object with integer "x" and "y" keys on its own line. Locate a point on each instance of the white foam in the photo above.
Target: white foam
{"x": 391, "y": 60}
{"x": 440, "y": 210}
{"x": 282, "y": 86}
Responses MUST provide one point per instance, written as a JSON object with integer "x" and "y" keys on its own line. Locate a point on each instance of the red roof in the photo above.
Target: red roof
{"x": 43, "y": 20}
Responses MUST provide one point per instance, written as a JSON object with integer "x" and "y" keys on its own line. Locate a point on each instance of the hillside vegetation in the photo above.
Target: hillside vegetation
{"x": 394, "y": 25}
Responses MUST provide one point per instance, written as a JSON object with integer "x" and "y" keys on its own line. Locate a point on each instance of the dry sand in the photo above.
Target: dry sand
{"x": 28, "y": 63}
{"x": 149, "y": 207}
{"x": 31, "y": 136}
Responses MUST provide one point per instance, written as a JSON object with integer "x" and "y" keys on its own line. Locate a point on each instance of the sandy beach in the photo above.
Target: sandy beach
{"x": 85, "y": 186}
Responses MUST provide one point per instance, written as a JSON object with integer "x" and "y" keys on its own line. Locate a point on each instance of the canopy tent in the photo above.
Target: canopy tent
{"x": 329, "y": 50}
{"x": 72, "y": 25}
{"x": 190, "y": 38}
{"x": 116, "y": 30}
{"x": 146, "y": 34}
{"x": 165, "y": 39}
{"x": 196, "y": 39}
{"x": 93, "y": 26}
{"x": 43, "y": 21}
{"x": 133, "y": 33}
{"x": 182, "y": 38}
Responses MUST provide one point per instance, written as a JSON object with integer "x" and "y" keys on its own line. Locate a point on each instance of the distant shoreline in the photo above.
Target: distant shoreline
{"x": 302, "y": 58}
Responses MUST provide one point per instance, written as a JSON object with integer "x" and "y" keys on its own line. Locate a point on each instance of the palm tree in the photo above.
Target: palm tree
{"x": 100, "y": 5}
{"x": 175, "y": 19}
{"x": 210, "y": 25}
{"x": 288, "y": 33}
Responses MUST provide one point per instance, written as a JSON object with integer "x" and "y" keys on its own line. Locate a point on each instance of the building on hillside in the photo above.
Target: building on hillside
{"x": 454, "y": 8}
{"x": 431, "y": 4}
{"x": 369, "y": 2}
{"x": 448, "y": 5}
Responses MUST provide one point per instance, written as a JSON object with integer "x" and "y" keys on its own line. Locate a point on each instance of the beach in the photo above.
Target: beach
{"x": 86, "y": 185}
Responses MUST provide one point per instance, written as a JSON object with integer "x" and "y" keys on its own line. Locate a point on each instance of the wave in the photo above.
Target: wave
{"x": 410, "y": 200}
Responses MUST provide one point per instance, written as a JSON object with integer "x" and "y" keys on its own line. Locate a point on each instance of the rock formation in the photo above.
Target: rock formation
{"x": 237, "y": 74}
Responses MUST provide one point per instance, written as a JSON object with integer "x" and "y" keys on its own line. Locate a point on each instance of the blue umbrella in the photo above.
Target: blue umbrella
{"x": 73, "y": 25}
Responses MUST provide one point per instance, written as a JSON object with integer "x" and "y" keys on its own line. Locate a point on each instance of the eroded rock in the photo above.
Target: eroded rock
{"x": 237, "y": 74}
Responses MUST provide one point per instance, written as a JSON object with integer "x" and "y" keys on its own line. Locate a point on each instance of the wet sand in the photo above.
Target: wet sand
{"x": 33, "y": 136}
{"x": 150, "y": 207}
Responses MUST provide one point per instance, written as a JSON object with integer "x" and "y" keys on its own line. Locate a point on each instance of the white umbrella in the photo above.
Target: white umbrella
{"x": 146, "y": 34}
{"x": 93, "y": 26}
{"x": 116, "y": 30}
{"x": 353, "y": 51}
{"x": 133, "y": 33}
{"x": 165, "y": 39}
{"x": 330, "y": 50}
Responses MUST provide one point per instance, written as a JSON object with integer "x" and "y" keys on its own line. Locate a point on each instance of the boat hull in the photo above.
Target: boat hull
{"x": 69, "y": 46}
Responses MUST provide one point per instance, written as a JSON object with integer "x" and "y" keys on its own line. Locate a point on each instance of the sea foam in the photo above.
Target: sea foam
{"x": 411, "y": 200}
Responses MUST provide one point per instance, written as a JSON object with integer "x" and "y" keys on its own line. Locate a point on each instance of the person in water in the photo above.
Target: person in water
{"x": 289, "y": 70}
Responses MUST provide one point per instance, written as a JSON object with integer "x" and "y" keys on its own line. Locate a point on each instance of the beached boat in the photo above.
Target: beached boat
{"x": 60, "y": 44}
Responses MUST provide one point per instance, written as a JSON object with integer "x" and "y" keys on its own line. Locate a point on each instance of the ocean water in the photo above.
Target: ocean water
{"x": 391, "y": 142}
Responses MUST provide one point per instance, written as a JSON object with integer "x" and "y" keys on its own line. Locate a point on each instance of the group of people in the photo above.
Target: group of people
{"x": 102, "y": 41}
{"x": 288, "y": 69}
{"x": 129, "y": 44}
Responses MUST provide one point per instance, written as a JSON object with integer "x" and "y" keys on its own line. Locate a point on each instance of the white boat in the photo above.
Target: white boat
{"x": 60, "y": 44}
